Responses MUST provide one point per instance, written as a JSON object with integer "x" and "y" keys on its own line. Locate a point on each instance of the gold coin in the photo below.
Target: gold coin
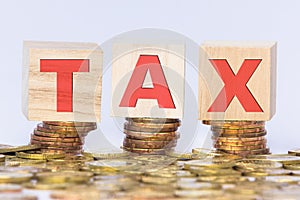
{"x": 149, "y": 129}
{"x": 14, "y": 177}
{"x": 243, "y": 139}
{"x": 241, "y": 143}
{"x": 240, "y": 135}
{"x": 154, "y": 125}
{"x": 64, "y": 177}
{"x": 237, "y": 131}
{"x": 180, "y": 156}
{"x": 151, "y": 136}
{"x": 238, "y": 125}
{"x": 209, "y": 163}
{"x": 39, "y": 156}
{"x": 22, "y": 162}
{"x": 107, "y": 154}
{"x": 66, "y": 152}
{"x": 200, "y": 171}
{"x": 247, "y": 152}
{"x": 154, "y": 160}
{"x": 267, "y": 172}
{"x": 153, "y": 120}
{"x": 244, "y": 127}
{"x": 59, "y": 148}
{"x": 60, "y": 144}
{"x": 59, "y": 135}
{"x": 70, "y": 133}
{"x": 57, "y": 139}
{"x": 282, "y": 158}
{"x": 73, "y": 159}
{"x": 12, "y": 149}
{"x": 80, "y": 124}
{"x": 111, "y": 165}
{"x": 295, "y": 166}
{"x": 147, "y": 144}
{"x": 235, "y": 123}
{"x": 48, "y": 150}
{"x": 70, "y": 129}
{"x": 205, "y": 152}
{"x": 256, "y": 164}
{"x": 240, "y": 148}
{"x": 223, "y": 179}
{"x": 144, "y": 151}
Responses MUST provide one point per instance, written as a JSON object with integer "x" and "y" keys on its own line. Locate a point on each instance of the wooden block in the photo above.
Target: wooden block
{"x": 237, "y": 80}
{"x": 62, "y": 81}
{"x": 148, "y": 80}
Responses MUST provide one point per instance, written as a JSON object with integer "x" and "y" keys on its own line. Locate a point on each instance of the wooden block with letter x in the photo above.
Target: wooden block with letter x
{"x": 237, "y": 80}
{"x": 148, "y": 80}
{"x": 62, "y": 81}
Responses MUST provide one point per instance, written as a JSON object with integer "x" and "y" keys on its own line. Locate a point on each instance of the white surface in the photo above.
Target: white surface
{"x": 98, "y": 21}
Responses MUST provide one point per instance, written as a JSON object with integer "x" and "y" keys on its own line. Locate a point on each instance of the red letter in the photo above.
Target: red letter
{"x": 235, "y": 85}
{"x": 135, "y": 90}
{"x": 64, "y": 69}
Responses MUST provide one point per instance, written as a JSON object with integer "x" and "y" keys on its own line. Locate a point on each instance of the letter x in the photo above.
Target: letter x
{"x": 235, "y": 85}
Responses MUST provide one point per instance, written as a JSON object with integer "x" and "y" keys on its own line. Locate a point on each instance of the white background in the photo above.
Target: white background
{"x": 98, "y": 21}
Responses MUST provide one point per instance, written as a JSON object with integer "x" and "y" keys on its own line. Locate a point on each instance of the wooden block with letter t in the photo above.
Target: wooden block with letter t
{"x": 62, "y": 81}
{"x": 237, "y": 80}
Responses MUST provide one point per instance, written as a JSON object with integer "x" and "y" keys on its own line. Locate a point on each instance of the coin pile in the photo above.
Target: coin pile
{"x": 204, "y": 174}
{"x": 150, "y": 135}
{"x": 239, "y": 137}
{"x": 61, "y": 137}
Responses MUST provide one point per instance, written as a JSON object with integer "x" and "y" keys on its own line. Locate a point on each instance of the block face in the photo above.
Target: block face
{"x": 80, "y": 71}
{"x": 148, "y": 80}
{"x": 237, "y": 80}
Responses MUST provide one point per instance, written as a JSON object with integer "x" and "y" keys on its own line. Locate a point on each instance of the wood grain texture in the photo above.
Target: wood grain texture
{"x": 39, "y": 88}
{"x": 262, "y": 83}
{"x": 125, "y": 57}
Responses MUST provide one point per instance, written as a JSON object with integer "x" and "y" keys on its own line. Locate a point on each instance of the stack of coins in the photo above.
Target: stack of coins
{"x": 61, "y": 137}
{"x": 239, "y": 137}
{"x": 150, "y": 135}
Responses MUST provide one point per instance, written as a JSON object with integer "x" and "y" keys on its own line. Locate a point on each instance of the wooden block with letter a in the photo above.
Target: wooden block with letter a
{"x": 62, "y": 81}
{"x": 237, "y": 80}
{"x": 148, "y": 80}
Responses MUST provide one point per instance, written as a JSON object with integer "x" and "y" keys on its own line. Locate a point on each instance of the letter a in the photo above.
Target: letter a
{"x": 135, "y": 89}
